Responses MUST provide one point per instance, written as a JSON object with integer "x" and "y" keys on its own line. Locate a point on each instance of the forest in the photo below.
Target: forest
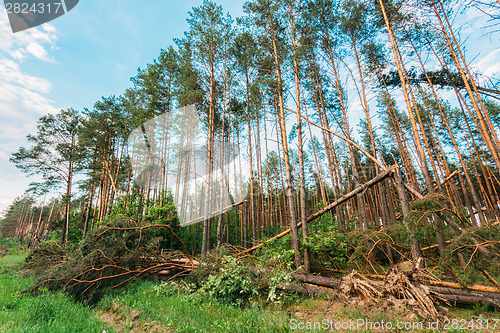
{"x": 324, "y": 144}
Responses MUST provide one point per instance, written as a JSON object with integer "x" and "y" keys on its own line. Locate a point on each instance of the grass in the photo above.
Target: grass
{"x": 184, "y": 312}
{"x": 44, "y": 312}
{"x": 11, "y": 261}
{"x": 176, "y": 311}
{"x": 148, "y": 305}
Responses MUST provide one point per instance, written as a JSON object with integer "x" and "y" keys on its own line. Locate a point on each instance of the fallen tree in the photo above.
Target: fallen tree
{"x": 111, "y": 256}
{"x": 329, "y": 207}
{"x": 310, "y": 284}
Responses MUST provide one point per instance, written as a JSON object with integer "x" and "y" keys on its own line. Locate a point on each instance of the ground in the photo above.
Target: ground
{"x": 146, "y": 308}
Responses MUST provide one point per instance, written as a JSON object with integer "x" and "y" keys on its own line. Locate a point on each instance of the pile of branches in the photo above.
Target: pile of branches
{"x": 111, "y": 256}
{"x": 472, "y": 253}
{"x": 401, "y": 291}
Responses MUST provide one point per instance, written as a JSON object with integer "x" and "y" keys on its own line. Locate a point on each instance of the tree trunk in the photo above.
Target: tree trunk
{"x": 284, "y": 141}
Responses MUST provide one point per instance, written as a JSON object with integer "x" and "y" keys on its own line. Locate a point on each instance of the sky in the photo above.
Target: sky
{"x": 74, "y": 60}
{"x": 92, "y": 51}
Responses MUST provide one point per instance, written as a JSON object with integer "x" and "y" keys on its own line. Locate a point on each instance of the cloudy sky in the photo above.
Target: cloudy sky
{"x": 73, "y": 61}
{"x": 91, "y": 52}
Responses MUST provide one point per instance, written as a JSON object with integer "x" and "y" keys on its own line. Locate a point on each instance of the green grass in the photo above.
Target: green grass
{"x": 185, "y": 312}
{"x": 12, "y": 260}
{"x": 45, "y": 312}
{"x": 178, "y": 311}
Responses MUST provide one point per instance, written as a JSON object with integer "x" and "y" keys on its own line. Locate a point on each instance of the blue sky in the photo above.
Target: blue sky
{"x": 93, "y": 50}
{"x": 73, "y": 61}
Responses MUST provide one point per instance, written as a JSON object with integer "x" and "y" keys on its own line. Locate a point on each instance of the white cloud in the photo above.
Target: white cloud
{"x": 29, "y": 42}
{"x": 22, "y": 99}
{"x": 490, "y": 65}
{"x": 37, "y": 51}
{"x": 10, "y": 71}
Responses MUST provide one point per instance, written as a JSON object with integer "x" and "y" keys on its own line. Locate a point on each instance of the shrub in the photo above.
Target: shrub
{"x": 234, "y": 284}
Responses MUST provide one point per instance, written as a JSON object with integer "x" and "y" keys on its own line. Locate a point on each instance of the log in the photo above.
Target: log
{"x": 491, "y": 279}
{"x": 475, "y": 287}
{"x": 465, "y": 297}
{"x": 319, "y": 285}
{"x": 305, "y": 278}
{"x": 357, "y": 190}
{"x": 304, "y": 289}
{"x": 452, "y": 285}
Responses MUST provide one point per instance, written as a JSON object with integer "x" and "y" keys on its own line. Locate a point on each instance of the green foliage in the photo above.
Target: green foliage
{"x": 423, "y": 209}
{"x": 277, "y": 251}
{"x": 106, "y": 258}
{"x": 467, "y": 245}
{"x": 281, "y": 275}
{"x": 234, "y": 283}
{"x": 55, "y": 153}
{"x": 328, "y": 249}
{"x": 7, "y": 244}
{"x": 159, "y": 211}
{"x": 129, "y": 205}
{"x": 478, "y": 307}
{"x": 45, "y": 256}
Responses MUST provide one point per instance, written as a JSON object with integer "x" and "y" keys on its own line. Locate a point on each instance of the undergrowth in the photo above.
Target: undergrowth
{"x": 42, "y": 312}
{"x": 184, "y": 311}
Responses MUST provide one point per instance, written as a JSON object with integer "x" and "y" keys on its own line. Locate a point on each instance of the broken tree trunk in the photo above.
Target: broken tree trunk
{"x": 357, "y": 190}
{"x": 447, "y": 179}
{"x": 451, "y": 292}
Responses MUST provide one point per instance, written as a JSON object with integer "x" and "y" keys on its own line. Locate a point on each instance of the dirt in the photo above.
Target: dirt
{"x": 123, "y": 319}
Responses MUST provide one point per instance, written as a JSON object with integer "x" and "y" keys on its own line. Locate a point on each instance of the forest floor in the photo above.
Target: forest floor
{"x": 148, "y": 307}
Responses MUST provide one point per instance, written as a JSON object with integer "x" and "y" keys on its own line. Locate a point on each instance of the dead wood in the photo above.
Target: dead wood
{"x": 308, "y": 289}
{"x": 402, "y": 285}
{"x": 491, "y": 279}
{"x": 452, "y": 294}
{"x": 149, "y": 227}
{"x": 357, "y": 190}
{"x": 435, "y": 245}
{"x": 356, "y": 285}
{"x": 110, "y": 257}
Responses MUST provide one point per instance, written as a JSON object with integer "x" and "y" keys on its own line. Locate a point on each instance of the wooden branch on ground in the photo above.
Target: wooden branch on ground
{"x": 491, "y": 279}
{"x": 453, "y": 285}
{"x": 451, "y": 292}
{"x": 357, "y": 190}
{"x": 435, "y": 245}
{"x": 306, "y": 289}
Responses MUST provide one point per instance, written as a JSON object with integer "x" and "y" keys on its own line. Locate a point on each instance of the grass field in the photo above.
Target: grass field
{"x": 142, "y": 308}
{"x": 45, "y": 312}
{"x": 164, "y": 307}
